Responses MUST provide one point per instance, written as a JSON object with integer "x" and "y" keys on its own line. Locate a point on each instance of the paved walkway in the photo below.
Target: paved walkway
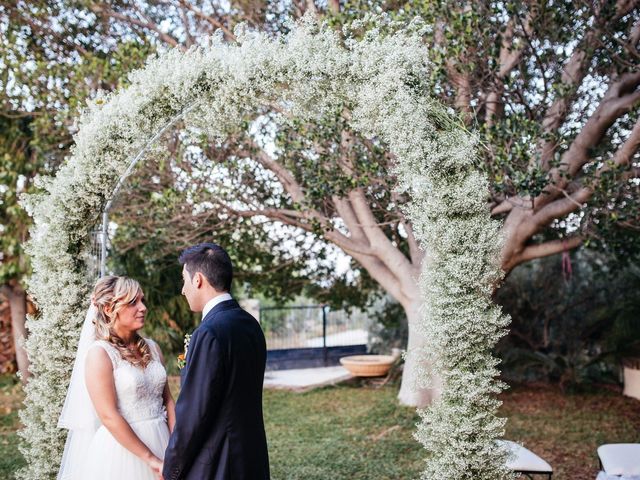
{"x": 303, "y": 379}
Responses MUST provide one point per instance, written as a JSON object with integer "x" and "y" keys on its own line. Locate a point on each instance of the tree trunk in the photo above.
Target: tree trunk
{"x": 17, "y": 298}
{"x": 7, "y": 353}
{"x": 411, "y": 393}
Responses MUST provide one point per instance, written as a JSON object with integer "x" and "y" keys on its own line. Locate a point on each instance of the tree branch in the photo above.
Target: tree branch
{"x": 185, "y": 24}
{"x": 625, "y": 6}
{"x": 502, "y": 207}
{"x": 508, "y": 58}
{"x": 345, "y": 210}
{"x": 286, "y": 178}
{"x": 392, "y": 257}
{"x": 311, "y": 6}
{"x": 460, "y": 80}
{"x": 41, "y": 31}
{"x": 509, "y": 203}
{"x": 214, "y": 22}
{"x": 631, "y": 174}
{"x": 634, "y": 38}
{"x": 572, "y": 76}
{"x": 620, "y": 98}
{"x": 526, "y": 226}
{"x": 558, "y": 209}
{"x": 546, "y": 249}
{"x": 106, "y": 10}
{"x": 416, "y": 252}
{"x": 629, "y": 148}
{"x": 352, "y": 246}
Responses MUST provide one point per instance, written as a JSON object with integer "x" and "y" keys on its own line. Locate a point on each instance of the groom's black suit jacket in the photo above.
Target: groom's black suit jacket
{"x": 219, "y": 432}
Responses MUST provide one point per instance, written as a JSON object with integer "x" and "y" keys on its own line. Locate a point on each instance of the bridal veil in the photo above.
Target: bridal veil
{"x": 78, "y": 414}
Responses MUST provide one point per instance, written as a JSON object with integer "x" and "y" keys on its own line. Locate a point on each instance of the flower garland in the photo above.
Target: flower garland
{"x": 310, "y": 73}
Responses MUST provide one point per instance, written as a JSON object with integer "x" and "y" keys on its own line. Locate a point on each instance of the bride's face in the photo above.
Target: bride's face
{"x": 131, "y": 316}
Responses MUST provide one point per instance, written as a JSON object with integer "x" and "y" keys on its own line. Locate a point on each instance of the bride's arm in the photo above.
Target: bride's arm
{"x": 170, "y": 404}
{"x": 167, "y": 398}
{"x": 101, "y": 387}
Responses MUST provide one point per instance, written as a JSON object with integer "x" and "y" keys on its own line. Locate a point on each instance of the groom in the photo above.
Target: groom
{"x": 219, "y": 431}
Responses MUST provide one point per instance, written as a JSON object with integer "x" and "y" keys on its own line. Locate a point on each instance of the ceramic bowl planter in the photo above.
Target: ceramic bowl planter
{"x": 368, "y": 365}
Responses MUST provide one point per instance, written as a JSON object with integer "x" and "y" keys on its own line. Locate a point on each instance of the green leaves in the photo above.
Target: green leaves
{"x": 16, "y": 173}
{"x": 46, "y": 79}
{"x": 527, "y": 77}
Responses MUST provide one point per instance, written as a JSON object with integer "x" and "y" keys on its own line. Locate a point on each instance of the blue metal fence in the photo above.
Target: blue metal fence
{"x": 311, "y": 335}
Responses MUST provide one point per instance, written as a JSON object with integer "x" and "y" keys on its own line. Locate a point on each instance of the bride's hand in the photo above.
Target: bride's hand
{"x": 156, "y": 465}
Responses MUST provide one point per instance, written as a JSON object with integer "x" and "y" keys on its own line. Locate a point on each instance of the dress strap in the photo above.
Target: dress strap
{"x": 112, "y": 351}
{"x": 155, "y": 349}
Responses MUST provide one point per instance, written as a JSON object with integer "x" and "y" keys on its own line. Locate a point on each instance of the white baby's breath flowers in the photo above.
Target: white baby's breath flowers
{"x": 309, "y": 73}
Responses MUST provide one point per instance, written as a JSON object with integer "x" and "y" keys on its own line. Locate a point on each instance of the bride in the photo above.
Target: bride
{"x": 119, "y": 410}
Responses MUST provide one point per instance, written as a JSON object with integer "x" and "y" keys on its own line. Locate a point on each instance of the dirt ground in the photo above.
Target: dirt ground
{"x": 566, "y": 428}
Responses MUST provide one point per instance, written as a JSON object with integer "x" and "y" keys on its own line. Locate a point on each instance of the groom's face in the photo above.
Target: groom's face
{"x": 190, "y": 290}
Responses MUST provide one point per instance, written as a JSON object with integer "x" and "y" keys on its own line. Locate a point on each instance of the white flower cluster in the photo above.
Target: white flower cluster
{"x": 309, "y": 73}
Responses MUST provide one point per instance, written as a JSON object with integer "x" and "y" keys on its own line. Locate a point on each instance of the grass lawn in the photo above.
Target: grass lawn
{"x": 359, "y": 432}
{"x": 10, "y": 400}
{"x": 341, "y": 433}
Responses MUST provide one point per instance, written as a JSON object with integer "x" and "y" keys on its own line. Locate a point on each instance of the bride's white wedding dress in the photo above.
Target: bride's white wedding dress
{"x": 139, "y": 396}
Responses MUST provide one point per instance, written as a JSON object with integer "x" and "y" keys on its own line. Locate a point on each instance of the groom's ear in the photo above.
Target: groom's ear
{"x": 198, "y": 279}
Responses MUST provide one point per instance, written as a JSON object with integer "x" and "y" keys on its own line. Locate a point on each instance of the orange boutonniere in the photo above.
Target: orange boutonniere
{"x": 182, "y": 358}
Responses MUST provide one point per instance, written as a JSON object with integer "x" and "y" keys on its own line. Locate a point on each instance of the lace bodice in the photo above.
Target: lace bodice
{"x": 138, "y": 390}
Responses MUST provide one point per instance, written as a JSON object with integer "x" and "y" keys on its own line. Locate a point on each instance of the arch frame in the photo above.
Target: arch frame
{"x": 382, "y": 78}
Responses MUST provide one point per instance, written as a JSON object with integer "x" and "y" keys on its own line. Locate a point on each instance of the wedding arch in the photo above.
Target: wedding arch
{"x": 380, "y": 77}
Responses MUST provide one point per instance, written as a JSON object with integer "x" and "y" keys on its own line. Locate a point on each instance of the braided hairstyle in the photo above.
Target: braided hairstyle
{"x": 111, "y": 294}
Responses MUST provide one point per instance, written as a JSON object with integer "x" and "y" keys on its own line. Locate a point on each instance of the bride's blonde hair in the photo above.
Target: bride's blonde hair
{"x": 112, "y": 294}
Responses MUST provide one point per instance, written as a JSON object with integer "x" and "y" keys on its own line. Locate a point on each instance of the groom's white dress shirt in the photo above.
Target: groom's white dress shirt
{"x": 223, "y": 297}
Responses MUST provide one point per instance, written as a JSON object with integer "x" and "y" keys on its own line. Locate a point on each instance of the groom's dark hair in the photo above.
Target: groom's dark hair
{"x": 212, "y": 261}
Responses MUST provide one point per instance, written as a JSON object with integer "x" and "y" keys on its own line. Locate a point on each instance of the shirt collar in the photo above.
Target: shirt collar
{"x": 223, "y": 297}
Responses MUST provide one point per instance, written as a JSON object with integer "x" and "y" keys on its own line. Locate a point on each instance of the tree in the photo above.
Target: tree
{"x": 554, "y": 92}
{"x": 552, "y": 89}
{"x": 571, "y": 326}
{"x": 160, "y": 213}
{"x": 16, "y": 172}
{"x": 155, "y": 220}
{"x": 44, "y": 77}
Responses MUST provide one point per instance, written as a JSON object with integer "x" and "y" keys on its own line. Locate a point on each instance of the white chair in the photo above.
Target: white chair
{"x": 620, "y": 459}
{"x": 524, "y": 461}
